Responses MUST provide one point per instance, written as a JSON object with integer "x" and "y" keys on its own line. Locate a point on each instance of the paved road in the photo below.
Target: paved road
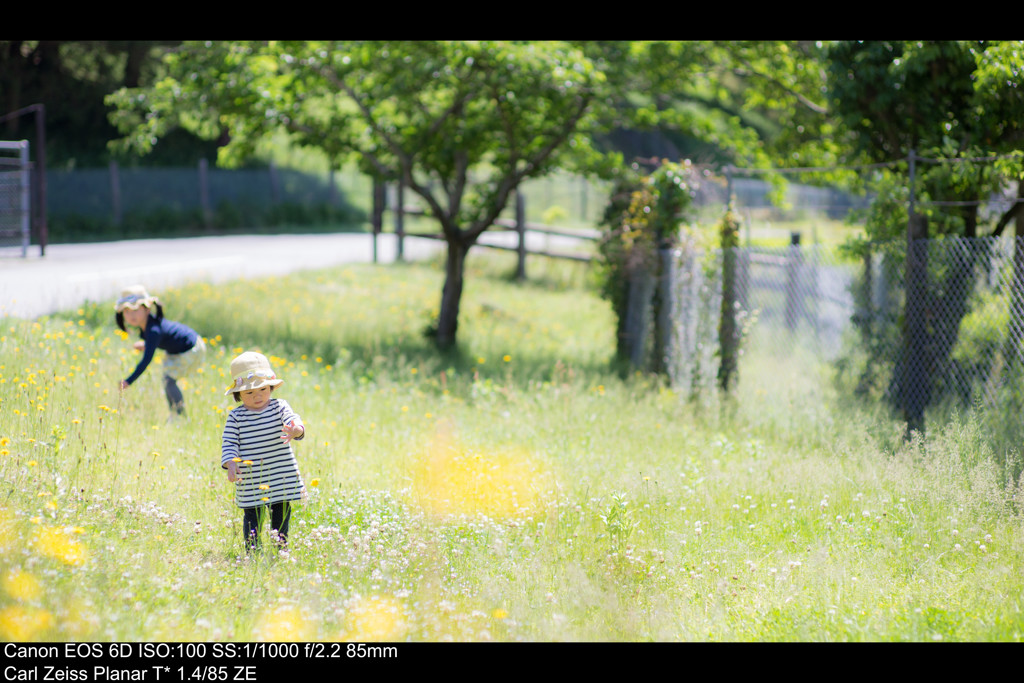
{"x": 71, "y": 274}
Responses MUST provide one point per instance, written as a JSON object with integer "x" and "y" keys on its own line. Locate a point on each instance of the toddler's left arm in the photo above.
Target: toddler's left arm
{"x": 292, "y": 423}
{"x": 293, "y": 430}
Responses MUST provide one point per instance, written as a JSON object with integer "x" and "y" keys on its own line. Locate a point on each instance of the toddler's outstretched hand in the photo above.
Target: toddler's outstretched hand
{"x": 292, "y": 431}
{"x": 232, "y": 470}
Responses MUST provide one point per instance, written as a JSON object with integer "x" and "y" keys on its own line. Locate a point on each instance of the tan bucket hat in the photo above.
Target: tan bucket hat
{"x": 133, "y": 297}
{"x": 251, "y": 370}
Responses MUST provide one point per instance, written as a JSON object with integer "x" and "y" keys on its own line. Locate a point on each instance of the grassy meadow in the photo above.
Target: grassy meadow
{"x": 518, "y": 490}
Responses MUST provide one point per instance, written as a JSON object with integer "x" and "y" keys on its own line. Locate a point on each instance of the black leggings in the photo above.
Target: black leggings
{"x": 252, "y": 523}
{"x": 175, "y": 399}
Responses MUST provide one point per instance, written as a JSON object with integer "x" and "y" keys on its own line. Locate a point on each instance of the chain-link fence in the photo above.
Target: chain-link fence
{"x": 129, "y": 202}
{"x": 947, "y": 324}
{"x": 116, "y": 191}
{"x": 793, "y": 300}
{"x": 815, "y": 305}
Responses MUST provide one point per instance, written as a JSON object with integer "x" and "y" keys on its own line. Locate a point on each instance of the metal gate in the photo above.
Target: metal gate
{"x": 15, "y": 205}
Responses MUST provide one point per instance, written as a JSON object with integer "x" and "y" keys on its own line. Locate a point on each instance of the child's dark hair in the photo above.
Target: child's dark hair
{"x": 159, "y": 315}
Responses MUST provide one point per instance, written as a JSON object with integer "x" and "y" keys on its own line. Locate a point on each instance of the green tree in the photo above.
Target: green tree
{"x": 462, "y": 124}
{"x": 71, "y": 79}
{"x": 950, "y": 100}
{"x": 955, "y": 101}
{"x": 753, "y": 104}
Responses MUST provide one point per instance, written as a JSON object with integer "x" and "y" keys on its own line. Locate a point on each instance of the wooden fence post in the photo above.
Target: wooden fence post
{"x": 793, "y": 294}
{"x": 665, "y": 311}
{"x": 377, "y": 219}
{"x": 40, "y": 173}
{"x": 521, "y": 229}
{"x": 639, "y": 284}
{"x": 204, "y": 193}
{"x": 275, "y": 183}
{"x": 916, "y": 377}
{"x": 115, "y": 192}
{"x": 728, "y": 332}
{"x": 399, "y": 219}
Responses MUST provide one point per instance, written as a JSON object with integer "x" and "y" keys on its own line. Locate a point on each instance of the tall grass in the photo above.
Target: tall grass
{"x": 516, "y": 489}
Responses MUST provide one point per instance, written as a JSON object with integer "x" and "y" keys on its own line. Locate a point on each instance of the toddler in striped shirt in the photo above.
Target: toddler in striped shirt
{"x": 256, "y": 450}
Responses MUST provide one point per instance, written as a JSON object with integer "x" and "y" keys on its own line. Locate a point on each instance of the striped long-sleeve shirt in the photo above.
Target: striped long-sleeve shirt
{"x": 268, "y": 471}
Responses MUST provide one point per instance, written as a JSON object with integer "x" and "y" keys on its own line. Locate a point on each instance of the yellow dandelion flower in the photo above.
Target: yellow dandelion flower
{"x": 507, "y": 358}
{"x": 247, "y": 462}
{"x": 452, "y": 479}
{"x": 55, "y": 543}
{"x": 377, "y": 618}
{"x": 284, "y": 624}
{"x": 22, "y": 586}
{"x": 314, "y": 483}
{"x": 264, "y": 487}
{"x": 499, "y": 613}
{"x": 20, "y": 624}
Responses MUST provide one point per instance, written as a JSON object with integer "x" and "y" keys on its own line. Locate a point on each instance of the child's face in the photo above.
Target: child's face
{"x": 136, "y": 317}
{"x": 256, "y": 399}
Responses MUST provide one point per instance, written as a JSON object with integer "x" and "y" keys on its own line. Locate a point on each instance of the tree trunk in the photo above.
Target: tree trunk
{"x": 451, "y": 295}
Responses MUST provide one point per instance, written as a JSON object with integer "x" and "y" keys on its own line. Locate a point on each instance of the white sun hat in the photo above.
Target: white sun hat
{"x": 133, "y": 297}
{"x": 251, "y": 370}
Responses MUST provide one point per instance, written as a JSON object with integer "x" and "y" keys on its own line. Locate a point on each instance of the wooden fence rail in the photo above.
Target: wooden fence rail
{"x": 518, "y": 225}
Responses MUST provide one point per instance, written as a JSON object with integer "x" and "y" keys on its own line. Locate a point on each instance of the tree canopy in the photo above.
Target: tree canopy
{"x": 71, "y": 79}
{"x": 462, "y": 124}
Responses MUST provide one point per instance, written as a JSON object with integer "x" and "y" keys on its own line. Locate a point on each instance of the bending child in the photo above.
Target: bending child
{"x": 185, "y": 348}
{"x": 257, "y": 451}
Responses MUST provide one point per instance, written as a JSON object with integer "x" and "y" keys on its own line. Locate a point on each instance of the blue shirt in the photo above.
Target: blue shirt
{"x": 163, "y": 334}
